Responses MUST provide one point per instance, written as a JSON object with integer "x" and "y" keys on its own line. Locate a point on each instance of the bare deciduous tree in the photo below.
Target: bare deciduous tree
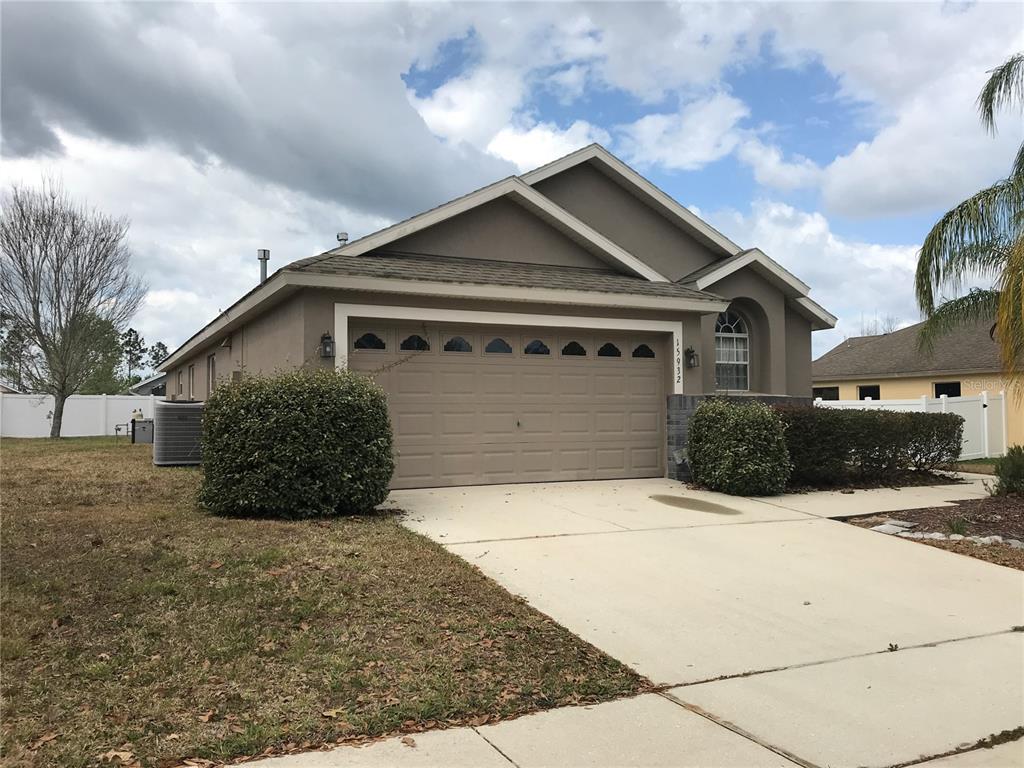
{"x": 65, "y": 278}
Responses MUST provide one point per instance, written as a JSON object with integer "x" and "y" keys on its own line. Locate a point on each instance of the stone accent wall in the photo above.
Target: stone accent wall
{"x": 680, "y": 411}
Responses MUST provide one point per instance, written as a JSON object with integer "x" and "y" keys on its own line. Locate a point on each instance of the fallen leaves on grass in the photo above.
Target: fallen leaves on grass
{"x": 363, "y": 629}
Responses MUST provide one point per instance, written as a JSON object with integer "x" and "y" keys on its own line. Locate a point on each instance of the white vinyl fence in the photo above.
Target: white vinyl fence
{"x": 84, "y": 415}
{"x": 984, "y": 417}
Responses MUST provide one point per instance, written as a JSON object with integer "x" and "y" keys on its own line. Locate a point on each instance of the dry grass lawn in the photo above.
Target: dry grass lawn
{"x": 134, "y": 629}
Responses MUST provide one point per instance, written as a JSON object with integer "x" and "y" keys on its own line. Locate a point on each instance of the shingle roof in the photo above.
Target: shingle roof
{"x": 896, "y": 354}
{"x": 445, "y": 269}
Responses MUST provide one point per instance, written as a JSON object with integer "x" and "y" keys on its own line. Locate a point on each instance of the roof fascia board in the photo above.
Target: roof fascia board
{"x": 821, "y": 319}
{"x": 907, "y": 375}
{"x": 507, "y": 293}
{"x": 767, "y": 265}
{"x": 285, "y": 279}
{"x": 639, "y": 183}
{"x": 276, "y": 283}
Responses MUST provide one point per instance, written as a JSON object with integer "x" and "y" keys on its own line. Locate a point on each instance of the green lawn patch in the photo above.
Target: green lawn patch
{"x": 133, "y": 623}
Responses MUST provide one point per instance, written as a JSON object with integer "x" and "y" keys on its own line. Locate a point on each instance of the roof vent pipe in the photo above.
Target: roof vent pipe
{"x": 264, "y": 256}
{"x": 342, "y": 238}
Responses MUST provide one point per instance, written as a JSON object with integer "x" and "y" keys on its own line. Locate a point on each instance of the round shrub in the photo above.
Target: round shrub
{"x": 738, "y": 448}
{"x": 296, "y": 445}
{"x": 1010, "y": 472}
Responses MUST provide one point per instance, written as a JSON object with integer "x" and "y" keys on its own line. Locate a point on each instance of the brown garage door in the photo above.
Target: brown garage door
{"x": 474, "y": 405}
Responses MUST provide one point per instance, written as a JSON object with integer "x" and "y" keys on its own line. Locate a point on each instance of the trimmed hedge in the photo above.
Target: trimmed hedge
{"x": 296, "y": 445}
{"x": 830, "y": 446}
{"x": 1010, "y": 472}
{"x": 738, "y": 448}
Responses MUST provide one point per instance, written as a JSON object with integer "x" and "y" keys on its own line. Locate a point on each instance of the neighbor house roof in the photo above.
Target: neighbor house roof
{"x": 892, "y": 355}
{"x": 447, "y": 269}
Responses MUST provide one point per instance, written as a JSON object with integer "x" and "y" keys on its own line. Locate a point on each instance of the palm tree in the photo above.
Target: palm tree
{"x": 982, "y": 237}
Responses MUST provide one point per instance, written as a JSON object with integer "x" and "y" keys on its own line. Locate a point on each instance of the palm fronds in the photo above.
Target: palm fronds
{"x": 971, "y": 239}
{"x": 1010, "y": 315}
{"x": 975, "y": 306}
{"x": 1004, "y": 86}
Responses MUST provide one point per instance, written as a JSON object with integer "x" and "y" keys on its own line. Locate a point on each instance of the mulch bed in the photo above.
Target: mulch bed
{"x": 991, "y": 516}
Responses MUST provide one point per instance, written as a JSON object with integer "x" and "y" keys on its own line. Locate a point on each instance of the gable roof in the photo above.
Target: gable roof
{"x": 966, "y": 350}
{"x": 515, "y": 189}
{"x": 611, "y": 166}
{"x": 764, "y": 265}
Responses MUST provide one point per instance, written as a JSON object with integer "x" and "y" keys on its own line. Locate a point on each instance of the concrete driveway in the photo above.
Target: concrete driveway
{"x": 761, "y": 617}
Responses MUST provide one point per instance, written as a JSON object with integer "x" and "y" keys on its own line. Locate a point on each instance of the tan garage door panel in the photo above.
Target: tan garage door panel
{"x": 485, "y": 411}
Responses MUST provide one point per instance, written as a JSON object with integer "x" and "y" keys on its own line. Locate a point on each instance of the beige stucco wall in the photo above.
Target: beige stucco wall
{"x": 273, "y": 341}
{"x": 764, "y": 309}
{"x": 499, "y": 230}
{"x": 971, "y": 384}
{"x": 597, "y": 200}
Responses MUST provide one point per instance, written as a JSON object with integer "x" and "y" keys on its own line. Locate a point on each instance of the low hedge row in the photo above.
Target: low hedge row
{"x": 830, "y": 446}
{"x": 734, "y": 447}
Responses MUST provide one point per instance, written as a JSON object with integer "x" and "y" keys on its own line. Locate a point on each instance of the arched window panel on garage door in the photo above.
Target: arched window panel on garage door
{"x": 414, "y": 343}
{"x": 458, "y": 344}
{"x": 370, "y": 341}
{"x": 609, "y": 350}
{"x": 574, "y": 349}
{"x": 536, "y": 347}
{"x": 643, "y": 351}
{"x": 498, "y": 346}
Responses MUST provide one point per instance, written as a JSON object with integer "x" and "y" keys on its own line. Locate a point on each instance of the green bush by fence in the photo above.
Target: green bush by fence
{"x": 829, "y": 446}
{"x": 1010, "y": 472}
{"x": 296, "y": 445}
{"x": 738, "y": 448}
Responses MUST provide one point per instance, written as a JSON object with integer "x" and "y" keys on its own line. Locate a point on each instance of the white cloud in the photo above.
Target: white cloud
{"x": 472, "y": 108}
{"x": 701, "y": 132}
{"x": 850, "y": 278}
{"x": 195, "y": 228}
{"x": 772, "y": 170}
{"x": 934, "y": 154}
{"x": 543, "y": 142}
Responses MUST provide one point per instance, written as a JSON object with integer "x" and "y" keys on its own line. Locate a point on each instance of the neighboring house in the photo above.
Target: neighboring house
{"x": 154, "y": 385}
{"x": 7, "y": 389}
{"x": 530, "y": 330}
{"x": 891, "y": 367}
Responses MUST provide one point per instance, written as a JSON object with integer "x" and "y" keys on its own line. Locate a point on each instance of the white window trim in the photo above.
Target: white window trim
{"x": 342, "y": 313}
{"x": 733, "y": 362}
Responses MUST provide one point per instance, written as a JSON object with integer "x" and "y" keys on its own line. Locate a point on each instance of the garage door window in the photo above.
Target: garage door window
{"x": 536, "y": 347}
{"x": 574, "y": 349}
{"x": 643, "y": 351}
{"x": 370, "y": 341}
{"x": 498, "y": 347}
{"x": 609, "y": 350}
{"x": 415, "y": 343}
{"x": 457, "y": 344}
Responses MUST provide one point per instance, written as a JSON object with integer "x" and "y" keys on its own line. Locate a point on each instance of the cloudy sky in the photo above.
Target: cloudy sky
{"x": 830, "y": 135}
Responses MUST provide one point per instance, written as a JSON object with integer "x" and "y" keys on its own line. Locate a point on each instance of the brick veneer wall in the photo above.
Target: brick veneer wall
{"x": 680, "y": 411}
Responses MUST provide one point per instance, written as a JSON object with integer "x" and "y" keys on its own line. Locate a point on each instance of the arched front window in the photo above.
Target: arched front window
{"x": 732, "y": 353}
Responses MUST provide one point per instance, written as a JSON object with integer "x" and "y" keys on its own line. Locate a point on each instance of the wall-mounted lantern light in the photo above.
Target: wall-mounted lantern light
{"x": 692, "y": 358}
{"x": 326, "y": 346}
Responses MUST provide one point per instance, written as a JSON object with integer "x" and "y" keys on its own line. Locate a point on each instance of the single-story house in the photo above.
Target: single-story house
{"x": 531, "y": 330}
{"x": 891, "y": 366}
